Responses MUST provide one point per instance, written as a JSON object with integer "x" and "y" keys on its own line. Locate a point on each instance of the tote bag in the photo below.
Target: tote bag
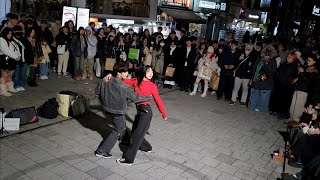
{"x": 170, "y": 71}
{"x": 61, "y": 49}
{"x": 134, "y": 54}
{"x": 110, "y": 62}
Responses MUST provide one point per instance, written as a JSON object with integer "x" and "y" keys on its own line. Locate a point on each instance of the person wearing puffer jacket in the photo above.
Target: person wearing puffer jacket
{"x": 9, "y": 54}
{"x": 207, "y": 65}
{"x": 92, "y": 42}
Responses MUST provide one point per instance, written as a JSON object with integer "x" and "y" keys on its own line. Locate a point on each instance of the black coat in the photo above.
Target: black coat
{"x": 286, "y": 73}
{"x": 229, "y": 58}
{"x": 185, "y": 65}
{"x": 76, "y": 47}
{"x": 46, "y": 34}
{"x": 269, "y": 69}
{"x": 244, "y": 69}
{"x": 101, "y": 48}
{"x": 62, "y": 39}
{"x": 28, "y": 54}
{"x": 305, "y": 80}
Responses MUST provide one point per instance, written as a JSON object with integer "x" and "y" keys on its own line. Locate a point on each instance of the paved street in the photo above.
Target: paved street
{"x": 202, "y": 139}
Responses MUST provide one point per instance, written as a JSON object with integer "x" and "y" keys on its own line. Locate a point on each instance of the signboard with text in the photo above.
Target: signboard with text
{"x": 69, "y": 13}
{"x": 83, "y": 17}
{"x": 213, "y": 5}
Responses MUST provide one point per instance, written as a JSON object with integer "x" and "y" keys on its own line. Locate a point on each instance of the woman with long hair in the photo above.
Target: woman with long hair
{"x": 142, "y": 85}
{"x": 36, "y": 54}
{"x": 63, "y": 40}
{"x": 101, "y": 53}
{"x": 158, "y": 57}
{"x": 206, "y": 66}
{"x": 79, "y": 52}
{"x": 9, "y": 54}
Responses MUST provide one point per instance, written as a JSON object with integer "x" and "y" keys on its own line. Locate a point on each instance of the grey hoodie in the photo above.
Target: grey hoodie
{"x": 92, "y": 43}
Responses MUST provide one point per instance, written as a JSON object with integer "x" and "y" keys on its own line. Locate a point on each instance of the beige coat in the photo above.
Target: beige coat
{"x": 212, "y": 65}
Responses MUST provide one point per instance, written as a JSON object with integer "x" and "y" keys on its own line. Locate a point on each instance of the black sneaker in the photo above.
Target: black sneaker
{"x": 124, "y": 162}
{"x": 232, "y": 103}
{"x": 243, "y": 104}
{"x": 103, "y": 155}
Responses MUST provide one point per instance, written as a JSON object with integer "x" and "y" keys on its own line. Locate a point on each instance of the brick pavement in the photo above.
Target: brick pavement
{"x": 202, "y": 139}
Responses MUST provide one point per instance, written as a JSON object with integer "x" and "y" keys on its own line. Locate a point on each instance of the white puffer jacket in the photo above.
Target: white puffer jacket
{"x": 12, "y": 50}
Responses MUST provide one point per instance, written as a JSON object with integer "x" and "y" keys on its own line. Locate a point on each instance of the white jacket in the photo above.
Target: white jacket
{"x": 12, "y": 50}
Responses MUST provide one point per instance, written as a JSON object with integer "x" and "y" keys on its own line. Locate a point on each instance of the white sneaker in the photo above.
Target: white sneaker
{"x": 22, "y": 88}
{"x": 18, "y": 89}
{"x": 257, "y": 110}
{"x": 42, "y": 78}
{"x": 46, "y": 77}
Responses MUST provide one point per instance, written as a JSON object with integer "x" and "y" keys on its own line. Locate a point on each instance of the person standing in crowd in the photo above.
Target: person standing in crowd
{"x": 187, "y": 56}
{"x": 101, "y": 53}
{"x": 143, "y": 86}
{"x": 63, "y": 40}
{"x": 283, "y": 91}
{"x": 120, "y": 93}
{"x": 44, "y": 62}
{"x": 72, "y": 29}
{"x": 144, "y": 49}
{"x": 20, "y": 73}
{"x": 12, "y": 21}
{"x": 172, "y": 38}
{"x": 302, "y": 87}
{"x": 158, "y": 57}
{"x": 262, "y": 80}
{"x": 170, "y": 59}
{"x": 183, "y": 38}
{"x": 246, "y": 37}
{"x": 45, "y": 33}
{"x": 158, "y": 33}
{"x": 135, "y": 43}
{"x": 282, "y": 54}
{"x": 242, "y": 76}
{"x": 73, "y": 32}
{"x": 55, "y": 29}
{"x": 79, "y": 52}
{"x": 110, "y": 47}
{"x": 22, "y": 25}
{"x": 228, "y": 62}
{"x": 92, "y": 50}
{"x": 36, "y": 54}
{"x": 207, "y": 65}
{"x": 146, "y": 34}
{"x": 9, "y": 54}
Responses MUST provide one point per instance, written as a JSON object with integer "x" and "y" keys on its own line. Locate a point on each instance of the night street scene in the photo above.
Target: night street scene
{"x": 160, "y": 90}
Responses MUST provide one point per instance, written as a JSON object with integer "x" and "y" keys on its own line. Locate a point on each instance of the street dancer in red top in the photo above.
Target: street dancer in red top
{"x": 142, "y": 86}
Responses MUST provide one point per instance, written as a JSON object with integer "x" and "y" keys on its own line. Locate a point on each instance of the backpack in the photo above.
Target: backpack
{"x": 49, "y": 109}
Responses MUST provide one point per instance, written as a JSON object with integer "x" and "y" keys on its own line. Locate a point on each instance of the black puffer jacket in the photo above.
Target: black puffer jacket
{"x": 244, "y": 68}
{"x": 305, "y": 79}
{"x": 287, "y": 72}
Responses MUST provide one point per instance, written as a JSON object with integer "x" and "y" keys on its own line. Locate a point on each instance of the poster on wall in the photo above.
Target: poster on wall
{"x": 265, "y": 3}
{"x": 83, "y": 17}
{"x": 69, "y": 13}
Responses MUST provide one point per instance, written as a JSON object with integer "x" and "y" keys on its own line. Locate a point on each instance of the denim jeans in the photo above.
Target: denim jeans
{"x": 259, "y": 99}
{"x": 20, "y": 75}
{"x": 78, "y": 63}
{"x": 119, "y": 121}
{"x": 43, "y": 69}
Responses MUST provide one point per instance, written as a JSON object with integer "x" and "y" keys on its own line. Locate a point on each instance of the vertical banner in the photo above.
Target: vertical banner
{"x": 83, "y": 17}
{"x": 69, "y": 13}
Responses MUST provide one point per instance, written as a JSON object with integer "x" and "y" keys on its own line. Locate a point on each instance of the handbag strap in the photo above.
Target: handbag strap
{"x": 241, "y": 63}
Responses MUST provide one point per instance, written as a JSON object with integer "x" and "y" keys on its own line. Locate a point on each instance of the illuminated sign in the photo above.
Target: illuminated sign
{"x": 253, "y": 16}
{"x": 213, "y": 5}
{"x": 69, "y": 13}
{"x": 83, "y": 17}
{"x": 316, "y": 11}
{"x": 180, "y": 3}
{"x": 119, "y": 21}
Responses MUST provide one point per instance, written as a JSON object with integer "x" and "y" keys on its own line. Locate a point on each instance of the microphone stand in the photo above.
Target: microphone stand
{"x": 2, "y": 120}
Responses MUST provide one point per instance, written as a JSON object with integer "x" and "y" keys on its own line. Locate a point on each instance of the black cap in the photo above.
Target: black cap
{"x": 43, "y": 22}
{"x": 173, "y": 32}
{"x": 13, "y": 16}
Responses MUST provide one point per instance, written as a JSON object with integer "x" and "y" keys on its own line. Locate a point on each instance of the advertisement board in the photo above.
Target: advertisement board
{"x": 213, "y": 5}
{"x": 69, "y": 13}
{"x": 83, "y": 17}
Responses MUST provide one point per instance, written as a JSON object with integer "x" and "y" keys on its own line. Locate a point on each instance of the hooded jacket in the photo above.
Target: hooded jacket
{"x": 92, "y": 42}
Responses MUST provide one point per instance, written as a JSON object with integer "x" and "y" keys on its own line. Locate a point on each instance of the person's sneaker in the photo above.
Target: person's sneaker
{"x": 22, "y": 88}
{"x": 65, "y": 74}
{"x": 42, "y": 78}
{"x": 243, "y": 104}
{"x": 257, "y": 110}
{"x": 59, "y": 74}
{"x": 103, "y": 155}
{"x": 232, "y": 103}
{"x": 46, "y": 77}
{"x": 124, "y": 162}
{"x": 18, "y": 89}
{"x": 54, "y": 69}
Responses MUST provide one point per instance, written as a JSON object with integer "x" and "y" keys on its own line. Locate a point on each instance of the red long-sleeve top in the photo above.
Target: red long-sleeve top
{"x": 147, "y": 88}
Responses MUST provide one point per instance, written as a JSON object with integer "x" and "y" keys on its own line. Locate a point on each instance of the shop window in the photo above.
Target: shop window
{"x": 138, "y": 8}
{"x": 42, "y": 9}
